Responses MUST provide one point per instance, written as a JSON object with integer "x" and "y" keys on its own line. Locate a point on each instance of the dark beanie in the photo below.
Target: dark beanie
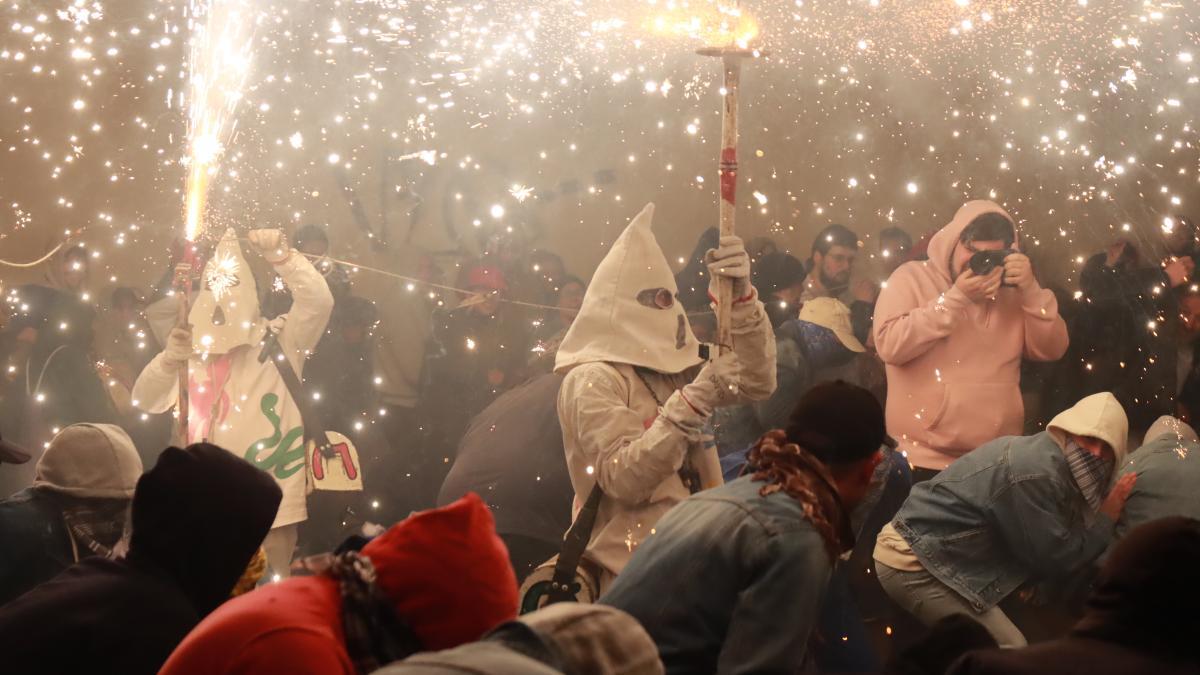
{"x": 776, "y": 271}
{"x": 839, "y": 422}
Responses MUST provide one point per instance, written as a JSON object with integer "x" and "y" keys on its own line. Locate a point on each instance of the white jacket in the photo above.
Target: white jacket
{"x": 243, "y": 405}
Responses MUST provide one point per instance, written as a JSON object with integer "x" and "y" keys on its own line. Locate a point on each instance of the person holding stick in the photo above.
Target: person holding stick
{"x": 638, "y": 392}
{"x": 237, "y": 400}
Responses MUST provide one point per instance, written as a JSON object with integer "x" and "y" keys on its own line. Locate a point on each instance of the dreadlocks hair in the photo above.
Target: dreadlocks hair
{"x": 788, "y": 468}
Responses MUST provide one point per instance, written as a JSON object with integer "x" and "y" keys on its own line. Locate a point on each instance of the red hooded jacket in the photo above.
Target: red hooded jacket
{"x": 445, "y": 570}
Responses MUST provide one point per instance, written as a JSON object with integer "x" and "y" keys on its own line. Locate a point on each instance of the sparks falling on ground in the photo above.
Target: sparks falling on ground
{"x": 221, "y": 55}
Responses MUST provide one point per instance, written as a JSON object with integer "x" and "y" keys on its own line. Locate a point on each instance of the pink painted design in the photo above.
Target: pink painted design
{"x": 729, "y": 175}
{"x": 206, "y": 387}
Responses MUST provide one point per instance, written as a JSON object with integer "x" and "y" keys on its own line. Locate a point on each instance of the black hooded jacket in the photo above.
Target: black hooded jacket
{"x": 1141, "y": 616}
{"x": 198, "y": 517}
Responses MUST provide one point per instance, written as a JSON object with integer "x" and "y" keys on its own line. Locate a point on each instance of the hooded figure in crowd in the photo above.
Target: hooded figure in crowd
{"x": 437, "y": 580}
{"x": 953, "y": 340}
{"x": 77, "y": 507}
{"x": 198, "y": 517}
{"x": 563, "y": 638}
{"x": 1141, "y": 616}
{"x": 1167, "y": 467}
{"x": 236, "y": 401}
{"x": 1019, "y": 509}
{"x": 635, "y": 397}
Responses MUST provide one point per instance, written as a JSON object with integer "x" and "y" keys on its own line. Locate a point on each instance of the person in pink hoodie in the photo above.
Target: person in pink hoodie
{"x": 952, "y": 340}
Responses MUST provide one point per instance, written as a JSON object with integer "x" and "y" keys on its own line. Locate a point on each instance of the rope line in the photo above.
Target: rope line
{"x": 34, "y": 263}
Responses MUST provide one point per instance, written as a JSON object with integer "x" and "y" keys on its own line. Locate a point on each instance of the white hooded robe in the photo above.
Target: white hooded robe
{"x": 614, "y": 430}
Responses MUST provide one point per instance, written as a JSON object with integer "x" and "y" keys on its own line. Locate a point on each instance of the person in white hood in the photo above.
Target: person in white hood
{"x": 236, "y": 401}
{"x": 637, "y": 392}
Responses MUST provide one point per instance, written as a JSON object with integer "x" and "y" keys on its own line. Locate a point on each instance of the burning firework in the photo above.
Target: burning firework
{"x": 221, "y": 57}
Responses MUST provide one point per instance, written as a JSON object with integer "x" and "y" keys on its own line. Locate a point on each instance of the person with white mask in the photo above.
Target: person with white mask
{"x": 236, "y": 400}
{"x": 637, "y": 392}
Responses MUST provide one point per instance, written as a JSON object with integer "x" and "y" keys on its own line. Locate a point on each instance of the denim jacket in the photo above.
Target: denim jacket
{"x": 1168, "y": 473}
{"x": 731, "y": 582}
{"x": 999, "y": 516}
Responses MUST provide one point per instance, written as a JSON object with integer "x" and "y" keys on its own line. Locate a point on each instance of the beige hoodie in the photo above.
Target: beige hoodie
{"x": 1099, "y": 416}
{"x": 953, "y": 366}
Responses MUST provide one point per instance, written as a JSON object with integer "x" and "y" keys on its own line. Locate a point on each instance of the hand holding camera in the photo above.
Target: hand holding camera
{"x": 979, "y": 287}
{"x": 1018, "y": 272}
{"x": 1015, "y": 270}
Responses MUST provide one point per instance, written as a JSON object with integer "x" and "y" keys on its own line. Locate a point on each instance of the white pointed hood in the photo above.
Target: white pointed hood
{"x": 631, "y": 313}
{"x": 225, "y": 312}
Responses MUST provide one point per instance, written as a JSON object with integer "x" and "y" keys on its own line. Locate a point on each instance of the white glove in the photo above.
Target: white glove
{"x": 179, "y": 347}
{"x": 271, "y": 244}
{"x": 715, "y": 386}
{"x": 731, "y": 261}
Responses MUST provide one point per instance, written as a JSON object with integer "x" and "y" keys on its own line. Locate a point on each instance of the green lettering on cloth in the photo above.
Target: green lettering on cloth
{"x": 287, "y": 455}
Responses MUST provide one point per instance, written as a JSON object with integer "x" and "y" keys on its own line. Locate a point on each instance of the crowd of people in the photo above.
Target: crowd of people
{"x": 942, "y": 466}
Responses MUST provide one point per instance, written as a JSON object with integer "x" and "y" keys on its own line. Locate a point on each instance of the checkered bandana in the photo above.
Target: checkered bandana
{"x": 1090, "y": 473}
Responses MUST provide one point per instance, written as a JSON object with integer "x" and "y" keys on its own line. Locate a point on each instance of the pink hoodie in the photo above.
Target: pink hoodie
{"x": 953, "y": 367}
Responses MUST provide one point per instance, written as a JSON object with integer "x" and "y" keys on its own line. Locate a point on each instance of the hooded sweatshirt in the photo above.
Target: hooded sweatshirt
{"x": 953, "y": 366}
{"x": 445, "y": 571}
{"x": 187, "y": 552}
{"x": 235, "y": 401}
{"x": 78, "y": 506}
{"x": 625, "y": 358}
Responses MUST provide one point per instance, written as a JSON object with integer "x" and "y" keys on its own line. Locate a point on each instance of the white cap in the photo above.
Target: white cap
{"x": 832, "y": 314}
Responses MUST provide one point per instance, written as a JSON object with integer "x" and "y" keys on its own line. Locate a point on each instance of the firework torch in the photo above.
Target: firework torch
{"x": 731, "y": 56}
{"x": 220, "y": 58}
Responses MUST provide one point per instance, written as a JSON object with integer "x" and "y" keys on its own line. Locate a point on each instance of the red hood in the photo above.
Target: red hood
{"x": 447, "y": 573}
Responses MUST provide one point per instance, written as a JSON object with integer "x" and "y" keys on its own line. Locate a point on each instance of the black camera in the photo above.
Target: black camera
{"x": 983, "y": 262}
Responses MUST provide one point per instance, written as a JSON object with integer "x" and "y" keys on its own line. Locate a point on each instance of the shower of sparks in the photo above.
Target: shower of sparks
{"x": 1079, "y": 117}
{"x": 221, "y": 55}
{"x": 221, "y": 275}
{"x": 709, "y": 24}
